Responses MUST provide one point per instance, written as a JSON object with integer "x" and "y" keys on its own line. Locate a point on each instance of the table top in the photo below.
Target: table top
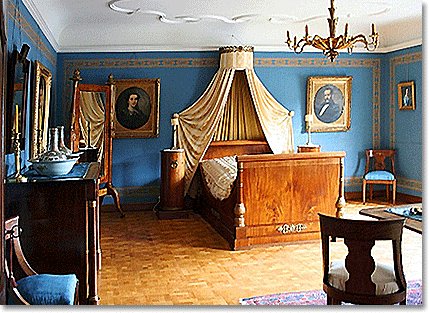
{"x": 380, "y": 213}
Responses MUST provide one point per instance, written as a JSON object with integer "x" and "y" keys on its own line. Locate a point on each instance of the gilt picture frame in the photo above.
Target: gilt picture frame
{"x": 406, "y": 96}
{"x": 41, "y": 92}
{"x": 135, "y": 110}
{"x": 329, "y": 102}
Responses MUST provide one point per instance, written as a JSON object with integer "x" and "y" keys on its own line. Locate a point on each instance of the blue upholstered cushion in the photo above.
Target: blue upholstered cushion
{"x": 379, "y": 175}
{"x": 46, "y": 289}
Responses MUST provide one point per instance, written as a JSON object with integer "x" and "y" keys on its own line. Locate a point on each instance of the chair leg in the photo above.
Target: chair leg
{"x": 115, "y": 195}
{"x": 364, "y": 191}
{"x": 332, "y": 301}
{"x": 394, "y": 192}
{"x": 387, "y": 192}
{"x": 370, "y": 191}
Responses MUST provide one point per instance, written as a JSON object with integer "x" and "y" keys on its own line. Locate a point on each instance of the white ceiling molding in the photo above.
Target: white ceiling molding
{"x": 196, "y": 25}
{"x": 29, "y": 4}
{"x": 403, "y": 45}
{"x": 183, "y": 48}
{"x": 276, "y": 19}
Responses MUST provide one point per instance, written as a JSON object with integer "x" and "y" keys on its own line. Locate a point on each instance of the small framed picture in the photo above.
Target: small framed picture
{"x": 328, "y": 101}
{"x": 136, "y": 108}
{"x": 406, "y": 96}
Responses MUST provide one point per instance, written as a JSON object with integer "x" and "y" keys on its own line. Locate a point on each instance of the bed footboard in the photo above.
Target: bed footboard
{"x": 276, "y": 198}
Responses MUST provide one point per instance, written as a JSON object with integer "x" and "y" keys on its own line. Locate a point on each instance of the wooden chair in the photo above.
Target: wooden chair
{"x": 379, "y": 169}
{"x": 359, "y": 279}
{"x": 33, "y": 288}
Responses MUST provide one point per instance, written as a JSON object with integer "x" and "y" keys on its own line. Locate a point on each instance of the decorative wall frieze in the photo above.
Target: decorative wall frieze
{"x": 21, "y": 23}
{"x": 411, "y": 184}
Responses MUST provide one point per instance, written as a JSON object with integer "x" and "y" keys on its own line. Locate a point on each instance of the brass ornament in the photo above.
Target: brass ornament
{"x": 331, "y": 44}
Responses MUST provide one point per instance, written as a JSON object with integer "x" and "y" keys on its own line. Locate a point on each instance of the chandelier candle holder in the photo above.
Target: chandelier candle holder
{"x": 331, "y": 44}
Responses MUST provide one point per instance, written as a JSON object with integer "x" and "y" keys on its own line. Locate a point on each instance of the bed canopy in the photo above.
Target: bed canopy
{"x": 235, "y": 106}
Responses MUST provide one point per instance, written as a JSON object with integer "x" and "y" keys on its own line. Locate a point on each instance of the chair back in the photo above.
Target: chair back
{"x": 359, "y": 237}
{"x": 380, "y": 160}
{"x": 14, "y": 253}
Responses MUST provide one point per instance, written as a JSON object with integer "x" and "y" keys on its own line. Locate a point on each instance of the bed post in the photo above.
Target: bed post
{"x": 239, "y": 209}
{"x": 341, "y": 202}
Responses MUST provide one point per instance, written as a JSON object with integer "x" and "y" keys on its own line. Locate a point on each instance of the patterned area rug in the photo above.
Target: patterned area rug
{"x": 318, "y": 297}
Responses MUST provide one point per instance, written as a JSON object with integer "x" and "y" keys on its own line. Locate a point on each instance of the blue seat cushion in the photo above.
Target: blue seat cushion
{"x": 47, "y": 289}
{"x": 379, "y": 175}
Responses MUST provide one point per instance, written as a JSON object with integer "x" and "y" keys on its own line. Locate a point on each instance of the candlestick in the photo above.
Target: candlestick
{"x": 175, "y": 123}
{"x": 17, "y": 177}
{"x": 16, "y": 117}
{"x": 309, "y": 121}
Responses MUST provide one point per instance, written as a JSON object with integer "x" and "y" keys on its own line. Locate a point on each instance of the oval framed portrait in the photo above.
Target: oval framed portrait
{"x": 136, "y": 108}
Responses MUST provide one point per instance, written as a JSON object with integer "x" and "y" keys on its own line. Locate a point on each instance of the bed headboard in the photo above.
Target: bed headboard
{"x": 219, "y": 149}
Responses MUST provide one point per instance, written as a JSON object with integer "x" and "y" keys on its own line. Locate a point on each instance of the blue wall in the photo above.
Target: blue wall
{"x": 21, "y": 28}
{"x": 185, "y": 76}
{"x": 404, "y": 128}
{"x": 375, "y": 118}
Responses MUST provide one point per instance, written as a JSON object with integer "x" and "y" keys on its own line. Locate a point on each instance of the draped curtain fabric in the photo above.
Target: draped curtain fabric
{"x": 92, "y": 111}
{"x": 234, "y": 106}
{"x": 239, "y": 121}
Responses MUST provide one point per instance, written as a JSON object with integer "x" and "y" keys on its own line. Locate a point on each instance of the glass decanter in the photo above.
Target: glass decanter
{"x": 61, "y": 146}
{"x": 53, "y": 152}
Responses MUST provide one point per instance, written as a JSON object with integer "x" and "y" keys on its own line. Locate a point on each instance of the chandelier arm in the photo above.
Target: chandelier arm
{"x": 299, "y": 47}
{"x": 370, "y": 46}
{"x": 320, "y": 43}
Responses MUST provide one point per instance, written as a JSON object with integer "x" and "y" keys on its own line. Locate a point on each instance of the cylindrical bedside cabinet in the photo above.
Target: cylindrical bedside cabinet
{"x": 172, "y": 198}
{"x": 308, "y": 149}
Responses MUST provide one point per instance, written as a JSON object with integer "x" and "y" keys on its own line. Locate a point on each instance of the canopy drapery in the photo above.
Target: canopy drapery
{"x": 231, "y": 110}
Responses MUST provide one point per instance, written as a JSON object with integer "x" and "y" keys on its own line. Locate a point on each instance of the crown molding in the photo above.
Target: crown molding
{"x": 402, "y": 45}
{"x": 31, "y": 7}
{"x": 180, "y": 48}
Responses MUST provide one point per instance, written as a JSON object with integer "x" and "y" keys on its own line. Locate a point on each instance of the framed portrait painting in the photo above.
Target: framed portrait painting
{"x": 136, "y": 108}
{"x": 406, "y": 96}
{"x": 328, "y": 101}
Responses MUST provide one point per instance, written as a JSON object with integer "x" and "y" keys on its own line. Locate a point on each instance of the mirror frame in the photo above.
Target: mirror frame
{"x": 40, "y": 108}
{"x": 106, "y": 170}
{"x": 17, "y": 57}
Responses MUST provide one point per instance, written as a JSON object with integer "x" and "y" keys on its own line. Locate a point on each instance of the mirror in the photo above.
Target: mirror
{"x": 40, "y": 109}
{"x": 91, "y": 131}
{"x": 19, "y": 67}
{"x": 90, "y": 120}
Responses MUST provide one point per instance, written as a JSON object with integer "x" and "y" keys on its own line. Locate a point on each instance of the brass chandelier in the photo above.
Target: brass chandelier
{"x": 331, "y": 44}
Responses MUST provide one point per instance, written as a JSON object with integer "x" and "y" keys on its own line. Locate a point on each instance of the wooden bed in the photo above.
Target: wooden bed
{"x": 276, "y": 197}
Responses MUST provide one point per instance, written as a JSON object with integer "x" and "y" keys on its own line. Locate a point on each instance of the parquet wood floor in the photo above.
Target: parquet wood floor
{"x": 146, "y": 261}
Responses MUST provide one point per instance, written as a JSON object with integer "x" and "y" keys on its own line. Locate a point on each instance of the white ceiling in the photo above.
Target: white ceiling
{"x": 187, "y": 25}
